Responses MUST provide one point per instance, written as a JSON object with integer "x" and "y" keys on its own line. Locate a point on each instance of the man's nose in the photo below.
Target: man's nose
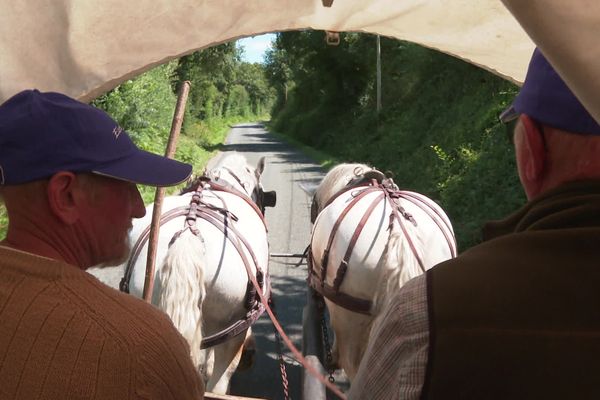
{"x": 138, "y": 208}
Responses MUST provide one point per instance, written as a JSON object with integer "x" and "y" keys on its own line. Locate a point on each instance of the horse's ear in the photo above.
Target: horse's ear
{"x": 260, "y": 167}
{"x": 314, "y": 209}
{"x": 375, "y": 174}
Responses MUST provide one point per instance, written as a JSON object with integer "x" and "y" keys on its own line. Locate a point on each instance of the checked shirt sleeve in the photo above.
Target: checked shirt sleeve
{"x": 394, "y": 363}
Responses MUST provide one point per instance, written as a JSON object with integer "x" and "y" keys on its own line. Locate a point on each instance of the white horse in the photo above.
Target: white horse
{"x": 201, "y": 278}
{"x": 368, "y": 241}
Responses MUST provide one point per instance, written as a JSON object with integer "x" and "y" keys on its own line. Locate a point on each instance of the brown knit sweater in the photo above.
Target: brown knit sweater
{"x": 65, "y": 335}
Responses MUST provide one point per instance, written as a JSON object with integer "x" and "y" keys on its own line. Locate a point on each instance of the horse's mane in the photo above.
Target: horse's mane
{"x": 336, "y": 179}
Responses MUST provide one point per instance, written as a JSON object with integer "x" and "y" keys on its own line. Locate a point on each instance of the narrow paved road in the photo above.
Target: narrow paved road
{"x": 289, "y": 232}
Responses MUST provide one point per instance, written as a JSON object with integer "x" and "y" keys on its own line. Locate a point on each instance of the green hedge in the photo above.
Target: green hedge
{"x": 438, "y": 132}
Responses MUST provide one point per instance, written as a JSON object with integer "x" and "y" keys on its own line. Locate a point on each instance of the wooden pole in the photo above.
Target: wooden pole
{"x": 160, "y": 191}
{"x": 378, "y": 74}
{"x": 312, "y": 347}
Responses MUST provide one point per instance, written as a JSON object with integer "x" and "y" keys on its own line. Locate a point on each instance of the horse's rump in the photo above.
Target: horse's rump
{"x": 225, "y": 276}
{"x": 408, "y": 233}
{"x": 368, "y": 249}
{"x": 366, "y": 243}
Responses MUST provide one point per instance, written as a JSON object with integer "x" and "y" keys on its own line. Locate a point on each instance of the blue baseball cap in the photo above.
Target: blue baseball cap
{"x": 44, "y": 133}
{"x": 546, "y": 98}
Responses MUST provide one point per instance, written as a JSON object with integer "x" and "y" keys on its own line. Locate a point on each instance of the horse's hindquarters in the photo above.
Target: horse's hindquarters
{"x": 366, "y": 244}
{"x": 360, "y": 279}
{"x": 226, "y": 277}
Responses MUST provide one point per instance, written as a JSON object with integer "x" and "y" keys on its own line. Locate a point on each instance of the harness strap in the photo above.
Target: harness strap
{"x": 319, "y": 284}
{"x": 391, "y": 192}
{"x": 336, "y": 225}
{"x": 258, "y": 309}
{"x": 366, "y": 184}
{"x": 413, "y": 249}
{"x": 204, "y": 183}
{"x": 341, "y": 272}
{"x": 237, "y": 179}
{"x": 234, "y": 191}
{"x": 431, "y": 210}
{"x": 142, "y": 239}
{"x": 233, "y": 330}
{"x": 213, "y": 217}
{"x": 347, "y": 301}
{"x": 213, "y": 214}
{"x": 354, "y": 304}
{"x": 190, "y": 218}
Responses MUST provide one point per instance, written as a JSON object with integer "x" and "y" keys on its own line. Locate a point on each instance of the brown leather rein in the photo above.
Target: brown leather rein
{"x": 222, "y": 219}
{"x": 388, "y": 191}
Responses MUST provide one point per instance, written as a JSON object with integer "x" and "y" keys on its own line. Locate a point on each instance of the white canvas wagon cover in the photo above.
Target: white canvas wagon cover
{"x": 87, "y": 47}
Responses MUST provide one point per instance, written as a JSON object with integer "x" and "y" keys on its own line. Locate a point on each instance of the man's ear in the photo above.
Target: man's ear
{"x": 533, "y": 156}
{"x": 63, "y": 197}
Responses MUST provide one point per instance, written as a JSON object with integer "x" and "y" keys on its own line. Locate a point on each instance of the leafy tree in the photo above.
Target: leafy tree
{"x": 279, "y": 72}
{"x": 253, "y": 78}
{"x": 223, "y": 85}
{"x": 211, "y": 71}
{"x": 438, "y": 131}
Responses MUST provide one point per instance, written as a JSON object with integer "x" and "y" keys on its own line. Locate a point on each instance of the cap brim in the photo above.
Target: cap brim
{"x": 508, "y": 115}
{"x": 147, "y": 168}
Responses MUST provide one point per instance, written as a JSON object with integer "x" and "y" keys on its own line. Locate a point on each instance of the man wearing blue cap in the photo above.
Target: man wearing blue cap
{"x": 515, "y": 317}
{"x": 68, "y": 177}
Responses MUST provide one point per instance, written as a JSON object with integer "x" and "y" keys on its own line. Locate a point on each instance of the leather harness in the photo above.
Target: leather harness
{"x": 388, "y": 191}
{"x": 224, "y": 220}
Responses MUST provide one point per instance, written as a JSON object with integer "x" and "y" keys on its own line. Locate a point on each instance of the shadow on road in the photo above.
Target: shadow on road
{"x": 261, "y": 142}
{"x": 289, "y": 285}
{"x": 289, "y": 295}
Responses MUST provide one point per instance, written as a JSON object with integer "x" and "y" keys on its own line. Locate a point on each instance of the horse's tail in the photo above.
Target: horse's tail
{"x": 182, "y": 288}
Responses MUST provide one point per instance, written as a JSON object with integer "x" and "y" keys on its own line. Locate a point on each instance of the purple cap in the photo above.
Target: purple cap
{"x": 546, "y": 98}
{"x": 44, "y": 133}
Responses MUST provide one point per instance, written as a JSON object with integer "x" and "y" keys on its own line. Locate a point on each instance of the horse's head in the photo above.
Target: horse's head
{"x": 338, "y": 178}
{"x": 233, "y": 170}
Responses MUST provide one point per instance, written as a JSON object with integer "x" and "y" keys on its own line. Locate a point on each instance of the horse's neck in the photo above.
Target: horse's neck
{"x": 234, "y": 180}
{"x": 338, "y": 181}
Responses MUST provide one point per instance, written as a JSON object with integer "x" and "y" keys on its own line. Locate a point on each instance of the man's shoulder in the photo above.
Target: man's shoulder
{"x": 158, "y": 352}
{"x": 78, "y": 323}
{"x": 128, "y": 321}
{"x": 119, "y": 314}
{"x": 501, "y": 248}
